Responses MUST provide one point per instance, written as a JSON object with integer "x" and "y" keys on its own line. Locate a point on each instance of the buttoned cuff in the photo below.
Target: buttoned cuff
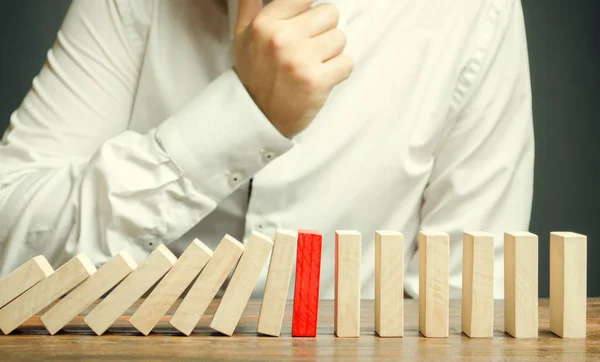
{"x": 221, "y": 138}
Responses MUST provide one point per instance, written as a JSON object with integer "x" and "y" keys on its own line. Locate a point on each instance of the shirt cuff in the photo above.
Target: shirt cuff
{"x": 221, "y": 138}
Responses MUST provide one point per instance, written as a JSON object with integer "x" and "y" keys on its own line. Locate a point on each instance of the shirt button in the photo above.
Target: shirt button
{"x": 235, "y": 178}
{"x": 268, "y": 156}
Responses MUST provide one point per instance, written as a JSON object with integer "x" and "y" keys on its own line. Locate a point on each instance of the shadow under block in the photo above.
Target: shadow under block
{"x": 133, "y": 287}
{"x": 45, "y": 292}
{"x": 277, "y": 285}
{"x": 182, "y": 274}
{"x": 568, "y": 268}
{"x": 477, "y": 312}
{"x": 521, "y": 284}
{"x": 306, "y": 288}
{"x": 389, "y": 284}
{"x": 24, "y": 277}
{"x": 347, "y": 283}
{"x": 237, "y": 294}
{"x": 434, "y": 304}
{"x": 207, "y": 285}
{"x": 93, "y": 288}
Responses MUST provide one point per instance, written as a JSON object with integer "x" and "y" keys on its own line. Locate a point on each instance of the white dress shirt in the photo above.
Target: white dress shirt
{"x": 138, "y": 132}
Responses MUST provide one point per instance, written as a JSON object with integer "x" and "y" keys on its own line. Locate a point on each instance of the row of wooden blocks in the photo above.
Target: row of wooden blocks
{"x": 34, "y": 286}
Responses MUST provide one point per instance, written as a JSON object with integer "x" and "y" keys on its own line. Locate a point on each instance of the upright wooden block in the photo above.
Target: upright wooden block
{"x": 131, "y": 289}
{"x": 521, "y": 284}
{"x": 109, "y": 275}
{"x": 24, "y": 277}
{"x": 207, "y": 285}
{"x": 306, "y": 288}
{"x": 235, "y": 298}
{"x": 434, "y": 308}
{"x": 389, "y": 284}
{"x": 568, "y": 278}
{"x": 347, "y": 283}
{"x": 189, "y": 265}
{"x": 478, "y": 284}
{"x": 277, "y": 285}
{"x": 45, "y": 292}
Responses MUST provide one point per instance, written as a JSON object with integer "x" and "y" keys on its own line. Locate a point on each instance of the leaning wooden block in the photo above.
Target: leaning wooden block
{"x": 131, "y": 289}
{"x": 189, "y": 265}
{"x": 45, "y": 292}
{"x": 207, "y": 285}
{"x": 434, "y": 307}
{"x": 521, "y": 284}
{"x": 478, "y": 284}
{"x": 568, "y": 278}
{"x": 235, "y": 298}
{"x": 24, "y": 277}
{"x": 277, "y": 285}
{"x": 347, "y": 283}
{"x": 109, "y": 275}
{"x": 306, "y": 289}
{"x": 389, "y": 284}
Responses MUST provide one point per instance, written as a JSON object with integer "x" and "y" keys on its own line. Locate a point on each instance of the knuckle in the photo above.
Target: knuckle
{"x": 309, "y": 79}
{"x": 259, "y": 26}
{"x": 277, "y": 41}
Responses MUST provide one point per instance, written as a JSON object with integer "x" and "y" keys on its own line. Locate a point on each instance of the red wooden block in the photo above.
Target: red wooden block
{"x": 306, "y": 290}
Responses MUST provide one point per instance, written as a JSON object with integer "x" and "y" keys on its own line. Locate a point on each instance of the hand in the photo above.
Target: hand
{"x": 289, "y": 57}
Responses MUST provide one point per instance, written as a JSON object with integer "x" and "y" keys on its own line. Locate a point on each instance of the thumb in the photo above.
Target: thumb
{"x": 247, "y": 11}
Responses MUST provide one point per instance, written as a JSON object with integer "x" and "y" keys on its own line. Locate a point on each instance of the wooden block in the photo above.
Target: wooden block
{"x": 182, "y": 274}
{"x": 235, "y": 298}
{"x": 389, "y": 284}
{"x": 93, "y": 288}
{"x": 477, "y": 314}
{"x": 568, "y": 279}
{"x": 45, "y": 292}
{"x": 306, "y": 287}
{"x": 207, "y": 285}
{"x": 24, "y": 277}
{"x": 272, "y": 308}
{"x": 131, "y": 289}
{"x": 347, "y": 283}
{"x": 434, "y": 308}
{"x": 521, "y": 284}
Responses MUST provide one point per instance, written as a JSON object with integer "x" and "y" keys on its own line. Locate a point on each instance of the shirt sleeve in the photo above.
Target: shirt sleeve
{"x": 74, "y": 179}
{"x": 482, "y": 178}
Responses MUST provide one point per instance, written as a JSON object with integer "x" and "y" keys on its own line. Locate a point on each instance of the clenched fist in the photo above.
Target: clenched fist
{"x": 289, "y": 57}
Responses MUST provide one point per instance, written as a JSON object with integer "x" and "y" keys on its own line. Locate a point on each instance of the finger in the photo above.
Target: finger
{"x": 286, "y": 9}
{"x": 247, "y": 11}
{"x": 317, "y": 20}
{"x": 328, "y": 45}
{"x": 337, "y": 69}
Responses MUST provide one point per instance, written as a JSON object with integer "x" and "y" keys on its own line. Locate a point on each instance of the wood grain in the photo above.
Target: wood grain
{"x": 434, "y": 273}
{"x": 306, "y": 287}
{"x": 521, "y": 284}
{"x": 568, "y": 280}
{"x": 277, "y": 285}
{"x": 348, "y": 249}
{"x": 179, "y": 277}
{"x": 389, "y": 284}
{"x": 123, "y": 343}
{"x": 478, "y": 284}
{"x": 65, "y": 278}
{"x": 148, "y": 272}
{"x": 94, "y": 287}
{"x": 24, "y": 277}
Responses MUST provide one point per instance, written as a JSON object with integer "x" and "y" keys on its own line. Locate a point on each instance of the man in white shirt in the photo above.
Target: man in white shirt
{"x": 146, "y": 127}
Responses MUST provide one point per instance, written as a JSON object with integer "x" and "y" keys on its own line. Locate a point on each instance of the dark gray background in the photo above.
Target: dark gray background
{"x": 564, "y": 42}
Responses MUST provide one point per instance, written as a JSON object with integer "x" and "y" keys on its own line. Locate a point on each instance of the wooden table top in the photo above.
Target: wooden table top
{"x": 123, "y": 342}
